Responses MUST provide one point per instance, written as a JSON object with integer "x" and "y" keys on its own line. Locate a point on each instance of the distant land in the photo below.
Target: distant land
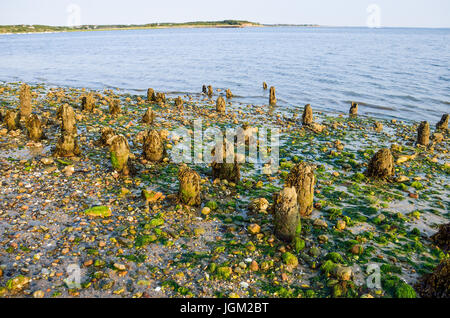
{"x": 198, "y": 24}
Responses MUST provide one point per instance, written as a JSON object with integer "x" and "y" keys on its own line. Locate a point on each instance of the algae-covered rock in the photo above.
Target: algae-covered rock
{"x": 153, "y": 146}
{"x": 67, "y": 146}
{"x": 34, "y": 127}
{"x": 285, "y": 214}
{"x": 189, "y": 189}
{"x": 149, "y": 116}
{"x": 423, "y": 134}
{"x": 120, "y": 152}
{"x": 160, "y": 98}
{"x": 442, "y": 237}
{"x": 272, "y": 97}
{"x": 11, "y": 120}
{"x": 381, "y": 165}
{"x": 353, "y": 109}
{"x": 307, "y": 117}
{"x": 88, "y": 102}
{"x": 220, "y": 105}
{"x": 221, "y": 169}
{"x": 443, "y": 123}
{"x": 437, "y": 283}
{"x": 290, "y": 259}
{"x": 17, "y": 283}
{"x": 98, "y": 211}
{"x": 25, "y": 107}
{"x": 302, "y": 178}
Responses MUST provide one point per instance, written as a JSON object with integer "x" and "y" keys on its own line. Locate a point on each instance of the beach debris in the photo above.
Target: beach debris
{"x": 229, "y": 94}
{"x": 88, "y": 102}
{"x": 153, "y": 146}
{"x": 423, "y": 134}
{"x": 210, "y": 91}
{"x": 220, "y": 104}
{"x": 151, "y": 97}
{"x": 437, "y": 283}
{"x": 442, "y": 237}
{"x": 353, "y": 109}
{"x": 272, "y": 97}
{"x": 120, "y": 152}
{"x": 25, "y": 107}
{"x": 443, "y": 123}
{"x": 34, "y": 128}
{"x": 189, "y": 189}
{"x": 11, "y": 120}
{"x": 302, "y": 178}
{"x": 114, "y": 107}
{"x": 222, "y": 169}
{"x": 149, "y": 116}
{"x": 286, "y": 217}
{"x": 381, "y": 165}
{"x": 264, "y": 85}
{"x": 307, "y": 117}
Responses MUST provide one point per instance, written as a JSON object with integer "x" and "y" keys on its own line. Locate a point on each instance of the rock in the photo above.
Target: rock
{"x": 220, "y": 105}
{"x": 316, "y": 127}
{"x": 343, "y": 273}
{"x": 438, "y": 137}
{"x": 120, "y": 153}
{"x": 320, "y": 223}
{"x": 272, "y": 97}
{"x": 38, "y": 294}
{"x": 151, "y": 97}
{"x": 204, "y": 89}
{"x": 47, "y": 161}
{"x": 285, "y": 214}
{"x": 442, "y": 237}
{"x": 259, "y": 205}
{"x": 120, "y": 267}
{"x": 150, "y": 196}
{"x": 356, "y": 249}
{"x": 443, "y": 123}
{"x": 34, "y": 128}
{"x": 264, "y": 85}
{"x": 179, "y": 103}
{"x": 67, "y": 146}
{"x": 25, "y": 101}
{"x": 153, "y": 146}
{"x": 68, "y": 120}
{"x": 225, "y": 170}
{"x": 107, "y": 133}
{"x": 353, "y": 109}
{"x": 88, "y": 102}
{"x": 290, "y": 259}
{"x": 254, "y": 267}
{"x": 98, "y": 211}
{"x": 114, "y": 107}
{"x": 437, "y": 283}
{"x": 254, "y": 228}
{"x": 302, "y": 178}
{"x": 307, "y": 117}
{"x": 17, "y": 283}
{"x": 210, "y": 91}
{"x": 340, "y": 225}
{"x": 11, "y": 120}
{"x": 378, "y": 126}
{"x": 381, "y": 165}
{"x": 149, "y": 116}
{"x": 160, "y": 98}
{"x": 189, "y": 189}
{"x": 423, "y": 134}
{"x": 206, "y": 211}
{"x": 229, "y": 94}
{"x": 68, "y": 170}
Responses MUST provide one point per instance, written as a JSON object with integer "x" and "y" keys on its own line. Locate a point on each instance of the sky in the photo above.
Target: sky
{"x": 389, "y": 13}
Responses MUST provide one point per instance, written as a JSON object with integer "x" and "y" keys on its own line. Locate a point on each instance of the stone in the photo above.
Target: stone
{"x": 114, "y": 107}
{"x": 272, "y": 97}
{"x": 88, "y": 102}
{"x": 107, "y": 133}
{"x": 353, "y": 109}
{"x": 34, "y": 128}
{"x": 340, "y": 225}
{"x": 153, "y": 146}
{"x": 443, "y": 123}
{"x": 229, "y": 94}
{"x": 307, "y": 117}
{"x": 17, "y": 283}
{"x": 381, "y": 165}
{"x": 151, "y": 97}
{"x": 254, "y": 228}
{"x": 220, "y": 105}
{"x": 120, "y": 153}
{"x": 423, "y": 134}
{"x": 189, "y": 189}
{"x": 25, "y": 107}
{"x": 160, "y": 98}
{"x": 343, "y": 273}
{"x": 149, "y": 116}
{"x": 11, "y": 120}
{"x": 286, "y": 217}
{"x": 259, "y": 205}
{"x": 98, "y": 211}
{"x": 290, "y": 259}
{"x": 303, "y": 179}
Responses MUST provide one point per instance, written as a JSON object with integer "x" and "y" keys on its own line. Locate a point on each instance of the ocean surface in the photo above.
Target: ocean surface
{"x": 390, "y": 72}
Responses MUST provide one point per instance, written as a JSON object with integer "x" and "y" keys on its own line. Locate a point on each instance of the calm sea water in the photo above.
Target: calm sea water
{"x": 392, "y": 73}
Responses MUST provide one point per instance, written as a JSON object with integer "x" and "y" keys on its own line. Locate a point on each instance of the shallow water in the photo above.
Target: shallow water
{"x": 399, "y": 73}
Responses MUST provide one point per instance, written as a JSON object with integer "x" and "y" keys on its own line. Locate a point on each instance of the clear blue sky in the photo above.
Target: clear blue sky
{"x": 398, "y": 13}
